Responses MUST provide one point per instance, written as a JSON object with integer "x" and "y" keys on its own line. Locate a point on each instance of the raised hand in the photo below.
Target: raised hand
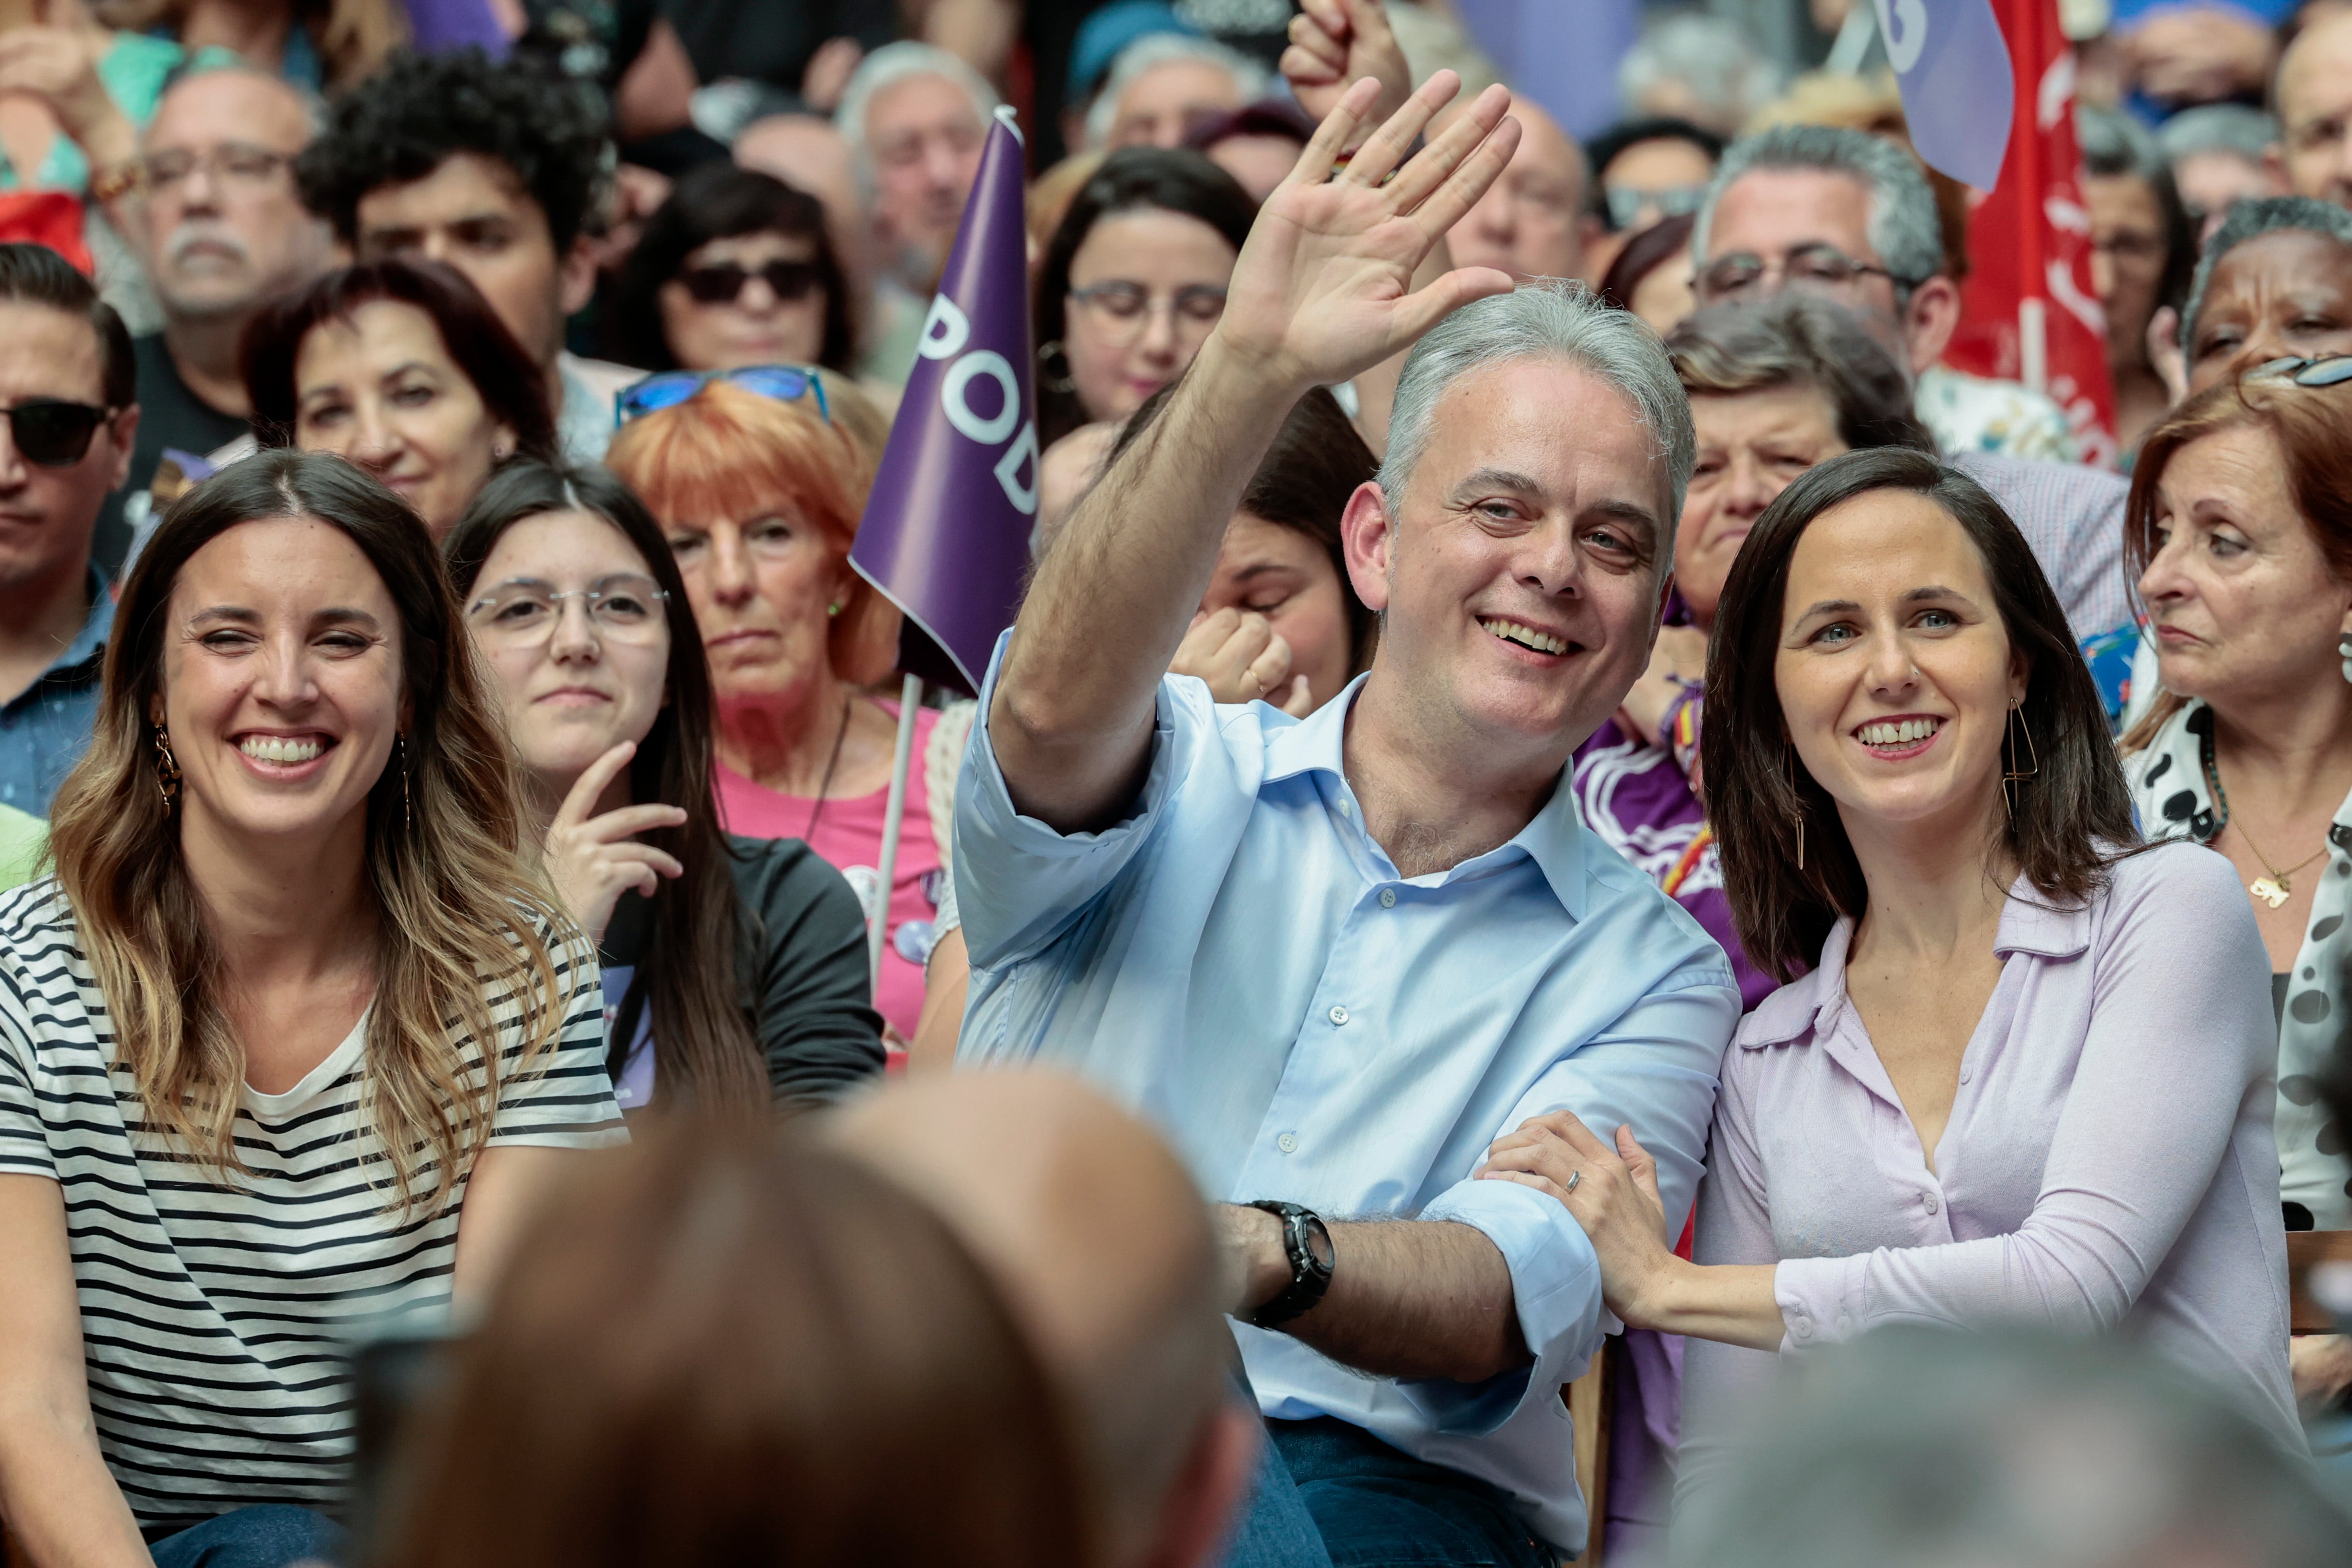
{"x": 593, "y": 860}
{"x": 1335, "y": 42}
{"x": 1324, "y": 286}
{"x": 1242, "y": 657}
{"x": 56, "y": 66}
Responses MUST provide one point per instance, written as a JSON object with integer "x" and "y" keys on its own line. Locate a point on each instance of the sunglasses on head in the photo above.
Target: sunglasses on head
{"x": 722, "y": 283}
{"x": 2330, "y": 370}
{"x": 53, "y": 433}
{"x": 782, "y": 382}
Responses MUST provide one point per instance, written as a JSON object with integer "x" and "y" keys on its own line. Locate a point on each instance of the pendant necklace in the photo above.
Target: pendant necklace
{"x": 2275, "y": 889}
{"x": 816, "y": 812}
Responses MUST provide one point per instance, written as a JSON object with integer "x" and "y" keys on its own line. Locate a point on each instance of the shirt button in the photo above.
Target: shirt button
{"x": 1338, "y": 1014}
{"x": 1388, "y": 898}
{"x": 1931, "y": 1202}
{"x": 1287, "y": 1142}
{"x": 1801, "y": 1329}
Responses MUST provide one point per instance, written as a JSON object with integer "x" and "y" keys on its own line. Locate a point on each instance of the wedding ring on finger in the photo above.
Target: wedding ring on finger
{"x": 1573, "y": 1177}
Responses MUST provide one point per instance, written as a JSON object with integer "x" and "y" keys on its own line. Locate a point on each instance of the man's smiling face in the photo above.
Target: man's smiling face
{"x": 1521, "y": 577}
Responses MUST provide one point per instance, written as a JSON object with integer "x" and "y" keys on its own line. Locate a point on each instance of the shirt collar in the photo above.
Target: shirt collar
{"x": 1553, "y": 839}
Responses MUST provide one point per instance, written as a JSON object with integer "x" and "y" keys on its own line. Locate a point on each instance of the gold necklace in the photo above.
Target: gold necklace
{"x": 2274, "y": 889}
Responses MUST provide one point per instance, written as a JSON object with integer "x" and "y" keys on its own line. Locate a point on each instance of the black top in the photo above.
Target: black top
{"x": 801, "y": 968}
{"x": 169, "y": 415}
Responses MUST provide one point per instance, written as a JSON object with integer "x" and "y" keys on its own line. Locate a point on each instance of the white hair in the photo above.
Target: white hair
{"x": 1710, "y": 55}
{"x": 1251, "y": 80}
{"x": 1545, "y": 319}
{"x": 895, "y": 63}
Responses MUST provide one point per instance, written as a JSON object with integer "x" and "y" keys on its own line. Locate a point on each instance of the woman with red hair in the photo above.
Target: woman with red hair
{"x": 759, "y": 490}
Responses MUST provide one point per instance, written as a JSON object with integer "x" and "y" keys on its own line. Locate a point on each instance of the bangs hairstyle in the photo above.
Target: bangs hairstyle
{"x": 2070, "y": 817}
{"x": 463, "y": 924}
{"x": 512, "y": 386}
{"x": 732, "y": 454}
{"x": 688, "y": 976}
{"x": 2312, "y": 426}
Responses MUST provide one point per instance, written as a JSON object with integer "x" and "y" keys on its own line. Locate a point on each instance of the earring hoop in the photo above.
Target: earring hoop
{"x": 1065, "y": 381}
{"x": 2012, "y": 727}
{"x": 167, "y": 770}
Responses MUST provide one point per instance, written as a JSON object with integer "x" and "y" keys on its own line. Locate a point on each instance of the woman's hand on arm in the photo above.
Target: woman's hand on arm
{"x": 59, "y": 1501}
{"x": 593, "y": 859}
{"x": 1613, "y": 1193}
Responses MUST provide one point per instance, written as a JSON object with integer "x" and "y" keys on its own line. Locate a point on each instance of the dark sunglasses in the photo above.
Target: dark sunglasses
{"x": 2332, "y": 370}
{"x": 783, "y": 382}
{"x": 52, "y": 432}
{"x": 723, "y": 284}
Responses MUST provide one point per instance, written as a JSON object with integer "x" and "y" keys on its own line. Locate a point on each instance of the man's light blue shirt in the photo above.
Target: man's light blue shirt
{"x": 1240, "y": 962}
{"x": 46, "y": 728}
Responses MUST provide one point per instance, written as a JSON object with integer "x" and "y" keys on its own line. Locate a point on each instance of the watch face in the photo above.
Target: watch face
{"x": 1319, "y": 1245}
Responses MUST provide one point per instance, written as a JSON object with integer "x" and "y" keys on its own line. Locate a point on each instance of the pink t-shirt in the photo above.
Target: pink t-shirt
{"x": 849, "y": 836}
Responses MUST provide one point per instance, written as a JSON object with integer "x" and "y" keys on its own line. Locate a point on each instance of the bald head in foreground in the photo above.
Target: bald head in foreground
{"x": 1100, "y": 1241}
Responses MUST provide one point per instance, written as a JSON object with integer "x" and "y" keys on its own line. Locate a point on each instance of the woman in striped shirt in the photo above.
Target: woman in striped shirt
{"x": 285, "y": 1041}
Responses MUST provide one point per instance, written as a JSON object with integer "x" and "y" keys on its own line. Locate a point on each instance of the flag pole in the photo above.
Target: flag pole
{"x": 893, "y": 813}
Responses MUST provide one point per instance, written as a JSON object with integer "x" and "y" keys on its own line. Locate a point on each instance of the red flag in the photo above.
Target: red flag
{"x": 2027, "y": 310}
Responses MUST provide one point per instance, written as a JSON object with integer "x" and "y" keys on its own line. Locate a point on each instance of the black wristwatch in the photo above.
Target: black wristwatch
{"x": 1308, "y": 1242}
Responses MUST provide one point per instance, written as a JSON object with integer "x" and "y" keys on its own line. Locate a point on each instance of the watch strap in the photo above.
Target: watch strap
{"x": 1310, "y": 1277}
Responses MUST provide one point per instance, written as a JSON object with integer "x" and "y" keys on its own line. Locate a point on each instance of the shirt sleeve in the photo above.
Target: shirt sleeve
{"x": 24, "y": 1138}
{"x": 811, "y": 988}
{"x": 2181, "y": 1033}
{"x": 1720, "y": 1382}
{"x": 563, "y": 1100}
{"x": 1019, "y": 882}
{"x": 1654, "y": 1070}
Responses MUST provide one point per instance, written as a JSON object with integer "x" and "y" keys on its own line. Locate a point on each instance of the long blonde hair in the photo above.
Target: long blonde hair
{"x": 463, "y": 929}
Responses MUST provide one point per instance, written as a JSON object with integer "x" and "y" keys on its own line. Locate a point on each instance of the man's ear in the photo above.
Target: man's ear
{"x": 1197, "y": 1515}
{"x": 1367, "y": 534}
{"x": 124, "y": 431}
{"x": 578, "y": 275}
{"x": 1931, "y": 320}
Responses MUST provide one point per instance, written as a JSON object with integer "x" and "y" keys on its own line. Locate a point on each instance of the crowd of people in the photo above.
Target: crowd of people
{"x": 1567, "y": 803}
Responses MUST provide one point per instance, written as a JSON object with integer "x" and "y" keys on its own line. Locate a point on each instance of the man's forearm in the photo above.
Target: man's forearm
{"x": 1071, "y": 720}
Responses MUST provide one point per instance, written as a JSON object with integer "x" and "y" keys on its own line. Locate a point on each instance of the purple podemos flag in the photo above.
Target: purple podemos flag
{"x": 946, "y": 531}
{"x": 1958, "y": 89}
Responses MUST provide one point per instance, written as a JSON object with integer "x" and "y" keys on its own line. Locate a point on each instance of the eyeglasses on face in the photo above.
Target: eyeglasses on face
{"x": 523, "y": 610}
{"x": 722, "y": 283}
{"x": 231, "y": 162}
{"x": 52, "y": 433}
{"x": 1625, "y": 203}
{"x": 2329, "y": 370}
{"x": 1822, "y": 268}
{"x": 1121, "y": 309}
{"x": 780, "y": 382}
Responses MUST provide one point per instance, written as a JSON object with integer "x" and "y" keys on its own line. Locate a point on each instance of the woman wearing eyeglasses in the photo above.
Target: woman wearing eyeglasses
{"x": 735, "y": 269}
{"x": 758, "y": 490}
{"x": 403, "y": 368}
{"x": 1132, "y": 283}
{"x": 734, "y": 969}
{"x": 2240, "y": 523}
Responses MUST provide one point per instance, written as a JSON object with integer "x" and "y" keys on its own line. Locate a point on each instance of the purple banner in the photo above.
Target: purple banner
{"x": 946, "y": 531}
{"x": 1958, "y": 90}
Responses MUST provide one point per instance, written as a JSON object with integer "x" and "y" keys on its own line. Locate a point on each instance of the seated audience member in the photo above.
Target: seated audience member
{"x": 2275, "y": 283}
{"x": 2312, "y": 94}
{"x": 69, "y": 385}
{"x": 1256, "y": 144}
{"x": 1534, "y": 222}
{"x": 2241, "y": 526}
{"x": 2037, "y": 1086}
{"x": 1651, "y": 275}
{"x": 2142, "y": 250}
{"x": 403, "y": 368}
{"x": 1128, "y": 1319}
{"x": 492, "y": 169}
{"x": 1849, "y": 216}
{"x": 734, "y": 968}
{"x": 734, "y": 269}
{"x": 720, "y": 1347}
{"x": 759, "y": 493}
{"x": 1132, "y": 283}
{"x": 223, "y": 233}
{"x": 1164, "y": 86}
{"x": 1141, "y": 870}
{"x": 1643, "y": 171}
{"x": 916, "y": 119}
{"x": 2219, "y": 154}
{"x": 294, "y": 921}
{"x": 1922, "y": 1449}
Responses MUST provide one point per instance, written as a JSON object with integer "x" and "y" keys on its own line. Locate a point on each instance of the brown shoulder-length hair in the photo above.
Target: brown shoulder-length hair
{"x": 463, "y": 922}
{"x": 2071, "y": 816}
{"x": 718, "y": 1348}
{"x": 689, "y": 976}
{"x": 727, "y": 452}
{"x": 2312, "y": 426}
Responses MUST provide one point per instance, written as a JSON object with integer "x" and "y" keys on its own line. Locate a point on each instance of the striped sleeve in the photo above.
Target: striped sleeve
{"x": 24, "y": 1140}
{"x": 564, "y": 1099}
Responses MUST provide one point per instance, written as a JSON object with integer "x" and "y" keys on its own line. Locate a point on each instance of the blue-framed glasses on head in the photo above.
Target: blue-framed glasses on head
{"x": 2329, "y": 370}
{"x": 668, "y": 388}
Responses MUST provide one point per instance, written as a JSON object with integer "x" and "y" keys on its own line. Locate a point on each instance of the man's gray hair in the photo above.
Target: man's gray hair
{"x": 2249, "y": 219}
{"x": 1904, "y": 228}
{"x": 314, "y": 105}
{"x": 1546, "y": 319}
{"x": 2218, "y": 128}
{"x": 1154, "y": 49}
{"x": 895, "y": 63}
{"x": 2114, "y": 144}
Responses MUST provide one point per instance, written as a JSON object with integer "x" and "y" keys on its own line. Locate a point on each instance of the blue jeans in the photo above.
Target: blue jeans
{"x": 269, "y": 1535}
{"x": 1372, "y": 1506}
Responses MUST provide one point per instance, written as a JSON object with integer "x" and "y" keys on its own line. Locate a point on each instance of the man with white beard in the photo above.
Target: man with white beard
{"x": 222, "y": 232}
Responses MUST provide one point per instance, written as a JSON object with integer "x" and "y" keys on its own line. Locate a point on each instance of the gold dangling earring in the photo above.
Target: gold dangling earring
{"x": 407, "y": 812}
{"x": 167, "y": 770}
{"x": 1791, "y": 772}
{"x": 2013, "y": 726}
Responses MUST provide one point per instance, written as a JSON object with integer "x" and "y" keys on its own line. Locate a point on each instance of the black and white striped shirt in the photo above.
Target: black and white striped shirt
{"x": 215, "y": 1317}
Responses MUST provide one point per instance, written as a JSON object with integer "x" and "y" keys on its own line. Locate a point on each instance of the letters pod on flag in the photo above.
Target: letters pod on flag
{"x": 946, "y": 531}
